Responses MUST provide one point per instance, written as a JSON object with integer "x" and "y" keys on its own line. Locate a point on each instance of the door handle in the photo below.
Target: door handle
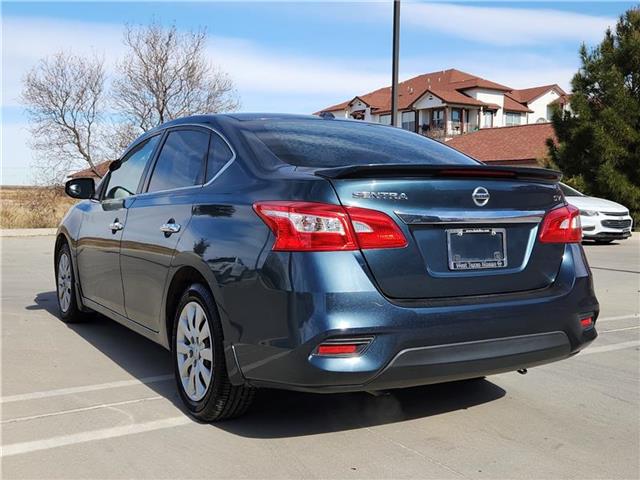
{"x": 169, "y": 228}
{"x": 115, "y": 226}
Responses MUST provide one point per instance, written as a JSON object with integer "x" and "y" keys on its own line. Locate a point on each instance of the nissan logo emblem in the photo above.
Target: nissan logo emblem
{"x": 480, "y": 196}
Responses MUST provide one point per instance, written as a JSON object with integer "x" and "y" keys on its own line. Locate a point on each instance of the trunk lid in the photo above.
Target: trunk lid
{"x": 471, "y": 230}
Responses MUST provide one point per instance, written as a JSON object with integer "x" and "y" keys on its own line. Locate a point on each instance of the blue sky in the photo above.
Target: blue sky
{"x": 302, "y": 56}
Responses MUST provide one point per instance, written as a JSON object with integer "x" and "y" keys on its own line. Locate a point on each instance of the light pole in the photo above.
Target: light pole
{"x": 394, "y": 62}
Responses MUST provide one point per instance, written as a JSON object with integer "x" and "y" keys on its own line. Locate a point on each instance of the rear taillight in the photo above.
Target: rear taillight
{"x": 310, "y": 226}
{"x": 375, "y": 229}
{"x": 561, "y": 225}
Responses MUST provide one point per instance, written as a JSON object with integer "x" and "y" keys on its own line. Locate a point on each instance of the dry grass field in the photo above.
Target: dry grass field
{"x": 32, "y": 207}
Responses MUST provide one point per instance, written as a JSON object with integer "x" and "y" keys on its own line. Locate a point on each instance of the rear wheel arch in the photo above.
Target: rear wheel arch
{"x": 222, "y": 398}
{"x": 186, "y": 272}
{"x": 182, "y": 279}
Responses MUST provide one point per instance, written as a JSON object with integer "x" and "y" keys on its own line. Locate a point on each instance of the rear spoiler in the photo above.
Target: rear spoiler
{"x": 469, "y": 171}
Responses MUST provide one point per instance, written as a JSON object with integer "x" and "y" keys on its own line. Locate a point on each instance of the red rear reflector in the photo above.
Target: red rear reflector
{"x": 345, "y": 349}
{"x": 586, "y": 322}
{"x": 561, "y": 225}
{"x": 311, "y": 227}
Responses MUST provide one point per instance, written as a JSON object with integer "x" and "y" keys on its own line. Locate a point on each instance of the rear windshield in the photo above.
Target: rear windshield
{"x": 331, "y": 143}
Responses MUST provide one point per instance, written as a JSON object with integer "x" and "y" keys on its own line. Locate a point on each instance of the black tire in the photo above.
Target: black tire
{"x": 222, "y": 400}
{"x": 70, "y": 314}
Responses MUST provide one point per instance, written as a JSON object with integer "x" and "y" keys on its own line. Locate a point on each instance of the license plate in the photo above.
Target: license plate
{"x": 477, "y": 248}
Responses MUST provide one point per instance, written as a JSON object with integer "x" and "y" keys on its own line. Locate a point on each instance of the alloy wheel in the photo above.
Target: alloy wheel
{"x": 64, "y": 282}
{"x": 194, "y": 351}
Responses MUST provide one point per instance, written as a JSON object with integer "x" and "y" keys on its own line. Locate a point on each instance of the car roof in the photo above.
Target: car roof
{"x": 242, "y": 117}
{"x": 220, "y": 119}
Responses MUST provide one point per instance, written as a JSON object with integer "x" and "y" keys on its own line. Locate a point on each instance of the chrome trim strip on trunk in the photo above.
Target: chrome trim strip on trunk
{"x": 470, "y": 217}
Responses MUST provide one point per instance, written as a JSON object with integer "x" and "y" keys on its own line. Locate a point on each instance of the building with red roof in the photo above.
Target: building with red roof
{"x": 102, "y": 168}
{"x": 449, "y": 103}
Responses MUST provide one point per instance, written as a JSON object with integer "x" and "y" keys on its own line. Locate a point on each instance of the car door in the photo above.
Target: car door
{"x": 98, "y": 247}
{"x": 156, "y": 220}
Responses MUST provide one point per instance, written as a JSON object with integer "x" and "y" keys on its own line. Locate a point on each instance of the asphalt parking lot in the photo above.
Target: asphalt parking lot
{"x": 95, "y": 400}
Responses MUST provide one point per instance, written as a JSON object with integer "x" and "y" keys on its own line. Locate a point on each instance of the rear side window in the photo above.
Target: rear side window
{"x": 123, "y": 182}
{"x": 181, "y": 160}
{"x": 219, "y": 155}
{"x": 331, "y": 143}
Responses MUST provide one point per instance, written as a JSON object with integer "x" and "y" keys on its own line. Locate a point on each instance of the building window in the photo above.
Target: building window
{"x": 385, "y": 119}
{"x": 456, "y": 120}
{"x": 487, "y": 120}
{"x": 437, "y": 119}
{"x": 409, "y": 121}
{"x": 511, "y": 118}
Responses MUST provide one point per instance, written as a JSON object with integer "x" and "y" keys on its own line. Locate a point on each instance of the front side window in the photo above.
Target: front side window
{"x": 512, "y": 118}
{"x": 219, "y": 156}
{"x": 123, "y": 182}
{"x": 181, "y": 160}
{"x": 409, "y": 121}
{"x": 335, "y": 143}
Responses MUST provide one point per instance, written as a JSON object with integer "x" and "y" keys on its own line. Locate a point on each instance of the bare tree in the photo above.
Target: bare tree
{"x": 64, "y": 97}
{"x": 166, "y": 75}
{"x": 117, "y": 137}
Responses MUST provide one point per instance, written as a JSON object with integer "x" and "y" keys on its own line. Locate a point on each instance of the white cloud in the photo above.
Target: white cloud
{"x": 265, "y": 79}
{"x": 505, "y": 26}
{"x": 257, "y": 69}
{"x": 26, "y": 40}
{"x": 270, "y": 80}
{"x": 253, "y": 68}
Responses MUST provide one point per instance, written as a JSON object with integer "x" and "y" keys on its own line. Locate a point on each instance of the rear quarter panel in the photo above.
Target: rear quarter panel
{"x": 230, "y": 246}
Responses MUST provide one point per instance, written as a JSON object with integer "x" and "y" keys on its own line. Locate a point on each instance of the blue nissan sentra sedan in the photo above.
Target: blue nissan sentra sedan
{"x": 324, "y": 255}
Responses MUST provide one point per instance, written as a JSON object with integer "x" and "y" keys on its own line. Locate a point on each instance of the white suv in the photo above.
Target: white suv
{"x": 602, "y": 220}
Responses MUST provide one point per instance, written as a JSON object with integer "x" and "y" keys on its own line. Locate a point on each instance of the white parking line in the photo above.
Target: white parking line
{"x": 620, "y": 317}
{"x": 610, "y": 348}
{"x": 83, "y": 437}
{"x": 81, "y": 409}
{"x": 84, "y": 388}
{"x": 620, "y": 329}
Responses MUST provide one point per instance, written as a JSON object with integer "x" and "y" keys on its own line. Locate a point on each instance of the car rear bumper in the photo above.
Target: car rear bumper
{"x": 417, "y": 365}
{"x": 457, "y": 361}
{"x": 421, "y": 342}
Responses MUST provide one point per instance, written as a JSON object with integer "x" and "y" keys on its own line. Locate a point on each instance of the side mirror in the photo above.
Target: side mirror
{"x": 82, "y": 188}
